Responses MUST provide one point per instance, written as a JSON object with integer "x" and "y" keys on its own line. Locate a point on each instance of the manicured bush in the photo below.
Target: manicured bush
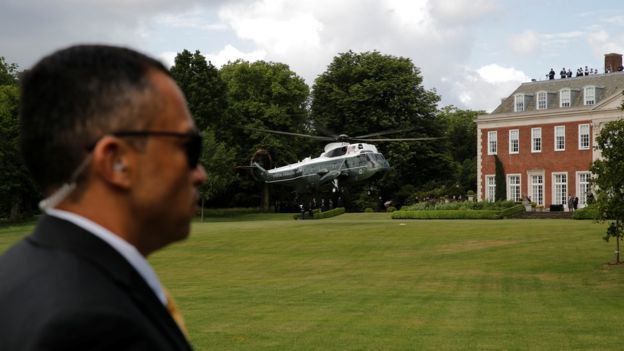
{"x": 331, "y": 213}
{"x": 589, "y": 212}
{"x": 447, "y": 214}
{"x": 368, "y": 210}
{"x": 460, "y": 214}
{"x": 391, "y": 209}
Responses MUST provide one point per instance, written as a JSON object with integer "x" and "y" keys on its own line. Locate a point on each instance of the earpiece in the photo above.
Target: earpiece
{"x": 119, "y": 167}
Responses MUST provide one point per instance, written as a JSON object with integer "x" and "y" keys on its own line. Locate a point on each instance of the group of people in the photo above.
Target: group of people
{"x": 568, "y": 73}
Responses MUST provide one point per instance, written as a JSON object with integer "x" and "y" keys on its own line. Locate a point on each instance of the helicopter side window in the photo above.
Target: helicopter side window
{"x": 338, "y": 152}
{"x": 360, "y": 146}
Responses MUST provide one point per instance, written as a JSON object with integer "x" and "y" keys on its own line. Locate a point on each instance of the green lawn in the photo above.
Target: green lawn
{"x": 365, "y": 282}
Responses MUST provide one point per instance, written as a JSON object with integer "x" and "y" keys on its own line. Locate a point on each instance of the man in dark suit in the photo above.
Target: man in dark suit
{"x": 107, "y": 135}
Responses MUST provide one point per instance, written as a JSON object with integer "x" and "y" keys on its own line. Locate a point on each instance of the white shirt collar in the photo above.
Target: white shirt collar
{"x": 129, "y": 252}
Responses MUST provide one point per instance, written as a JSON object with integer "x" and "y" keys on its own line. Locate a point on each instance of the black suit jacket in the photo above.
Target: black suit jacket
{"x": 62, "y": 288}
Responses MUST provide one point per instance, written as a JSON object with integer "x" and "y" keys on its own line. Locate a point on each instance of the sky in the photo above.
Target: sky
{"x": 472, "y": 52}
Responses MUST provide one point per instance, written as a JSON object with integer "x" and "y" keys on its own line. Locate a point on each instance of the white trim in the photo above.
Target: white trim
{"x": 530, "y": 175}
{"x": 519, "y": 103}
{"x": 569, "y": 97}
{"x": 555, "y": 199}
{"x": 586, "y": 96}
{"x": 582, "y": 197}
{"x": 489, "y": 187}
{"x": 533, "y": 138}
{"x": 537, "y": 100}
{"x": 492, "y": 141}
{"x": 517, "y": 139}
{"x": 509, "y": 197}
{"x": 555, "y": 138}
{"x": 580, "y": 146}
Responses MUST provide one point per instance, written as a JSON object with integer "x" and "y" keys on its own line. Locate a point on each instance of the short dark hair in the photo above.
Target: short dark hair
{"x": 74, "y": 96}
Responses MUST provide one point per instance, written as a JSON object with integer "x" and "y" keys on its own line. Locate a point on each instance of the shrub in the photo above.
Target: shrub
{"x": 447, "y": 214}
{"x": 331, "y": 213}
{"x": 391, "y": 209}
{"x": 512, "y": 211}
{"x": 589, "y": 212}
{"x": 368, "y": 210}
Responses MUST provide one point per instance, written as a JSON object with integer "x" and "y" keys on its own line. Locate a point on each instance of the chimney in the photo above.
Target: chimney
{"x": 613, "y": 62}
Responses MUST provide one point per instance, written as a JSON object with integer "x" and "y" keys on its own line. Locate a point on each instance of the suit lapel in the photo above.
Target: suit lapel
{"x": 60, "y": 234}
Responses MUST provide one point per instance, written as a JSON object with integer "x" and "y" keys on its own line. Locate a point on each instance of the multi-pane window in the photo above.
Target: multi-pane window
{"x": 564, "y": 98}
{"x": 492, "y": 143}
{"x": 536, "y": 139}
{"x": 513, "y": 188}
{"x": 559, "y": 138}
{"x": 590, "y": 95}
{"x": 542, "y": 100}
{"x": 519, "y": 103}
{"x": 583, "y": 136}
{"x": 537, "y": 189}
{"x": 490, "y": 188}
{"x": 560, "y": 188}
{"x": 582, "y": 181}
{"x": 514, "y": 141}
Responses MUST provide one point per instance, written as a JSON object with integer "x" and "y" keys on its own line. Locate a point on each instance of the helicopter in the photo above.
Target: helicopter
{"x": 344, "y": 160}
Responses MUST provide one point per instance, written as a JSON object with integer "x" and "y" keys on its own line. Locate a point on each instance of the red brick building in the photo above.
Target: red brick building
{"x": 543, "y": 134}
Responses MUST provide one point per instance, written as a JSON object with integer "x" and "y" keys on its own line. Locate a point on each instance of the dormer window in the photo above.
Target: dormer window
{"x": 542, "y": 100}
{"x": 565, "y": 98}
{"x": 519, "y": 103}
{"x": 589, "y": 94}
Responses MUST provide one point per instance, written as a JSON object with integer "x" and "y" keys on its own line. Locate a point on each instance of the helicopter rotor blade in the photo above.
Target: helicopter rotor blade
{"x": 316, "y": 137}
{"x": 396, "y": 139}
{"x": 326, "y": 131}
{"x": 386, "y": 132}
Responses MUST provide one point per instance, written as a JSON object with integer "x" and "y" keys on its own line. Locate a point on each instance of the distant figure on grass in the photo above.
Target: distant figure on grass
{"x": 108, "y": 137}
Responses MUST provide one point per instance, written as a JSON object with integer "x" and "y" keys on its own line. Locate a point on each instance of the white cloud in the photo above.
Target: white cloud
{"x": 229, "y": 54}
{"x": 601, "y": 43}
{"x": 484, "y": 87}
{"x": 461, "y": 12}
{"x": 525, "y": 43}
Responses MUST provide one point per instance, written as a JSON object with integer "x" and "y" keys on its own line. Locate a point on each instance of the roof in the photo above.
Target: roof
{"x": 606, "y": 85}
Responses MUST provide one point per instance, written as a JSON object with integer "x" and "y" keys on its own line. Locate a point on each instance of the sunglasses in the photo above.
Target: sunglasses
{"x": 192, "y": 141}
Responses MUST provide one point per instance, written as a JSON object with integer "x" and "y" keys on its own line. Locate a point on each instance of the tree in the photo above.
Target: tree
{"x": 362, "y": 93}
{"x": 461, "y": 136}
{"x": 501, "y": 183}
{"x": 17, "y": 191}
{"x": 218, "y": 161}
{"x": 609, "y": 181}
{"x": 8, "y": 72}
{"x": 265, "y": 95}
{"x": 202, "y": 86}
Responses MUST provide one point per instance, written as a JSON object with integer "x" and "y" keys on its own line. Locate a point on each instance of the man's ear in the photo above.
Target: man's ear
{"x": 111, "y": 161}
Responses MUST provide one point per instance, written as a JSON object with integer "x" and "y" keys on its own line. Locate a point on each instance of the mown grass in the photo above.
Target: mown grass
{"x": 366, "y": 282}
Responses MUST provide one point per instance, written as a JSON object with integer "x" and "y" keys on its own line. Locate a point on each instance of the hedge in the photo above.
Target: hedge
{"x": 459, "y": 214}
{"x": 331, "y": 213}
{"x": 317, "y": 214}
{"x": 585, "y": 213}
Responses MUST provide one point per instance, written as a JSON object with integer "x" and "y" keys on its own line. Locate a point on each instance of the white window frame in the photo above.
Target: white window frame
{"x": 514, "y": 141}
{"x": 490, "y": 188}
{"x": 539, "y": 187}
{"x": 492, "y": 142}
{"x": 514, "y": 190}
{"x": 589, "y": 95}
{"x": 565, "y": 97}
{"x": 559, "y": 136}
{"x": 541, "y": 100}
{"x": 581, "y": 134}
{"x": 519, "y": 103}
{"x": 534, "y": 138}
{"x": 559, "y": 188}
{"x": 583, "y": 188}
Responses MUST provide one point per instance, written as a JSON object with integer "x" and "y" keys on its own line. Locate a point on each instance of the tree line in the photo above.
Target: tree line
{"x": 359, "y": 93}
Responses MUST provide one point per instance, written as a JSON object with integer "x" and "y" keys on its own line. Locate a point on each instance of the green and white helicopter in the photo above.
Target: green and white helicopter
{"x": 345, "y": 159}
